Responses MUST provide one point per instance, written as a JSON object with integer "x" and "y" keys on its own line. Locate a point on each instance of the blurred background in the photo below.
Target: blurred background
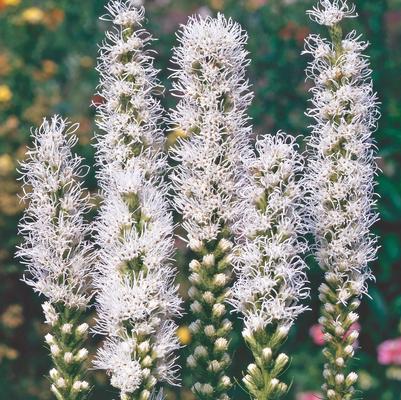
{"x": 47, "y": 57}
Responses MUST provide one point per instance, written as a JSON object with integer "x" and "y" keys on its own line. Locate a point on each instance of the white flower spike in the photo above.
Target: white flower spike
{"x": 54, "y": 248}
{"x": 136, "y": 294}
{"x": 340, "y": 182}
{"x": 271, "y": 274}
{"x": 211, "y": 114}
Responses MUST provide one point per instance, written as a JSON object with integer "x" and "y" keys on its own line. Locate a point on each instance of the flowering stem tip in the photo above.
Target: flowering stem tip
{"x": 56, "y": 252}
{"x": 271, "y": 274}
{"x": 340, "y": 183}
{"x": 213, "y": 91}
{"x": 136, "y": 295}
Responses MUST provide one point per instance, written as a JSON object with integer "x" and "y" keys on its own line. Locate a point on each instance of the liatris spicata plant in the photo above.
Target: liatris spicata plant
{"x": 341, "y": 185}
{"x": 136, "y": 295}
{"x": 211, "y": 114}
{"x": 55, "y": 249}
{"x": 271, "y": 274}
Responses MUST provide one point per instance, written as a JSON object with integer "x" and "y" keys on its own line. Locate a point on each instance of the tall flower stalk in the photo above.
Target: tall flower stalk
{"x": 271, "y": 274}
{"x": 211, "y": 115}
{"x": 55, "y": 250}
{"x": 341, "y": 185}
{"x": 136, "y": 295}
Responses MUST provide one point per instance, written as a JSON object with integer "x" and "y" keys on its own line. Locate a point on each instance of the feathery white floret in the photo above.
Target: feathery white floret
{"x": 136, "y": 296}
{"x": 341, "y": 170}
{"x": 157, "y": 395}
{"x": 271, "y": 274}
{"x": 214, "y": 97}
{"x": 331, "y": 12}
{"x": 55, "y": 250}
{"x": 116, "y": 356}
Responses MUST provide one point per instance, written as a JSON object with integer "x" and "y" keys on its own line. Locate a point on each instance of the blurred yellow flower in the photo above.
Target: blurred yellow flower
{"x": 5, "y": 94}
{"x": 86, "y": 62}
{"x": 253, "y": 5}
{"x": 365, "y": 380}
{"x": 12, "y": 317}
{"x": 6, "y": 164}
{"x": 32, "y": 15}
{"x": 394, "y": 373}
{"x": 11, "y": 2}
{"x": 7, "y": 352}
{"x": 217, "y": 4}
{"x": 49, "y": 68}
{"x": 9, "y": 125}
{"x": 5, "y": 66}
{"x": 54, "y": 18}
{"x": 20, "y": 154}
{"x": 184, "y": 335}
{"x": 10, "y": 204}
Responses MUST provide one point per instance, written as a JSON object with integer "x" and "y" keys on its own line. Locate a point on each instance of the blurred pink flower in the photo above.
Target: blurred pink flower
{"x": 316, "y": 332}
{"x": 389, "y": 352}
{"x": 308, "y": 396}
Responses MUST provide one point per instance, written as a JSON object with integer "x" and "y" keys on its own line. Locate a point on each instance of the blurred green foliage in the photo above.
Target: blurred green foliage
{"x": 47, "y": 56}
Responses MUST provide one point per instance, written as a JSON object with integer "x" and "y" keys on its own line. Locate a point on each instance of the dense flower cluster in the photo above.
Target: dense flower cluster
{"x": 211, "y": 114}
{"x": 129, "y": 113}
{"x": 271, "y": 274}
{"x": 55, "y": 249}
{"x": 135, "y": 282}
{"x": 341, "y": 184}
{"x": 331, "y": 12}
